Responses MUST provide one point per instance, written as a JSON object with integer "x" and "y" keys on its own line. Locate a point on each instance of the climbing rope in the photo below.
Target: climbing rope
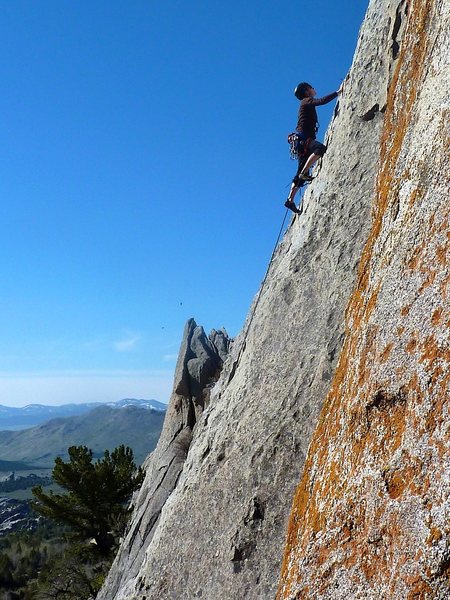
{"x": 241, "y": 351}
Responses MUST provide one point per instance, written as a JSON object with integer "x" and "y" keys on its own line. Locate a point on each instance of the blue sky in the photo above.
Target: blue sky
{"x": 143, "y": 169}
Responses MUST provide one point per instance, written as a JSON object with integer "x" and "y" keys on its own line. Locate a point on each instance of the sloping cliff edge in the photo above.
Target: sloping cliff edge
{"x": 371, "y": 515}
{"x": 219, "y": 530}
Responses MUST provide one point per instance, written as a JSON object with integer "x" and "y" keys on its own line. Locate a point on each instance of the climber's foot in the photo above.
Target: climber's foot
{"x": 291, "y": 206}
{"x": 305, "y": 177}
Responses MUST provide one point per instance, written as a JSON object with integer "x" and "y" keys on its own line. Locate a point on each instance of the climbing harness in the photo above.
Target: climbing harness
{"x": 241, "y": 351}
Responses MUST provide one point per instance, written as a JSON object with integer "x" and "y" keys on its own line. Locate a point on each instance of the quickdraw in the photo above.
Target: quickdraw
{"x": 298, "y": 145}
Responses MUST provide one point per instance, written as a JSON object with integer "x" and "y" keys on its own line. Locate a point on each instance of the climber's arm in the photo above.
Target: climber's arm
{"x": 324, "y": 100}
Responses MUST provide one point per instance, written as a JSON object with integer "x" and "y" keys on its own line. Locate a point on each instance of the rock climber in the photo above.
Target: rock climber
{"x": 310, "y": 150}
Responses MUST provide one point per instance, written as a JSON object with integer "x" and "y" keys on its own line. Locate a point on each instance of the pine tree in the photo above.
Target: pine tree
{"x": 6, "y": 569}
{"x": 98, "y": 493}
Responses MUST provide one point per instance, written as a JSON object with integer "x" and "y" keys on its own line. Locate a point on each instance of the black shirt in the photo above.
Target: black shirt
{"x": 307, "y": 116}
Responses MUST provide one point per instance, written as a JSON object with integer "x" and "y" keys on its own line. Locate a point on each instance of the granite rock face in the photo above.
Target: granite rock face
{"x": 200, "y": 361}
{"x": 221, "y": 531}
{"x": 371, "y": 516}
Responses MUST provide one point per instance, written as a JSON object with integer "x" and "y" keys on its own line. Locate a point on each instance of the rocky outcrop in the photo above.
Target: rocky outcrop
{"x": 16, "y": 515}
{"x": 199, "y": 364}
{"x": 371, "y": 514}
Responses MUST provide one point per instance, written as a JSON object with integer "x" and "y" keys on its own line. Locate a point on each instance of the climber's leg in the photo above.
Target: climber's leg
{"x": 317, "y": 151}
{"x": 297, "y": 182}
{"x": 308, "y": 164}
{"x": 292, "y": 192}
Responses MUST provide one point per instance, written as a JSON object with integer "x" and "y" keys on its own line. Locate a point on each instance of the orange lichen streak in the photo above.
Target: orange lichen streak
{"x": 366, "y": 482}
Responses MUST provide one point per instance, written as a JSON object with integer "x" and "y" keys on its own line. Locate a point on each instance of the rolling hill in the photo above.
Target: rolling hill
{"x": 100, "y": 429}
{"x": 14, "y": 418}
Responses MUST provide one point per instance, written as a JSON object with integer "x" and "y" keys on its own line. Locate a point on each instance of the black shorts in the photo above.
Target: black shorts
{"x": 315, "y": 147}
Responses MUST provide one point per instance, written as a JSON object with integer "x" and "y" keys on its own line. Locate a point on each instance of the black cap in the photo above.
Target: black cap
{"x": 300, "y": 90}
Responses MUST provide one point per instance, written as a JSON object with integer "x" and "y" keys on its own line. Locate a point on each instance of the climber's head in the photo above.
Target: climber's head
{"x": 304, "y": 90}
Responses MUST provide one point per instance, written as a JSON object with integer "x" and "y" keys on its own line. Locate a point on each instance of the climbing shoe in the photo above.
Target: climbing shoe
{"x": 305, "y": 177}
{"x": 291, "y": 206}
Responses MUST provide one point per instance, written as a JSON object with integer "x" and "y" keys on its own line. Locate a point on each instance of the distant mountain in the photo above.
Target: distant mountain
{"x": 35, "y": 414}
{"x": 14, "y": 465}
{"x": 102, "y": 428}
